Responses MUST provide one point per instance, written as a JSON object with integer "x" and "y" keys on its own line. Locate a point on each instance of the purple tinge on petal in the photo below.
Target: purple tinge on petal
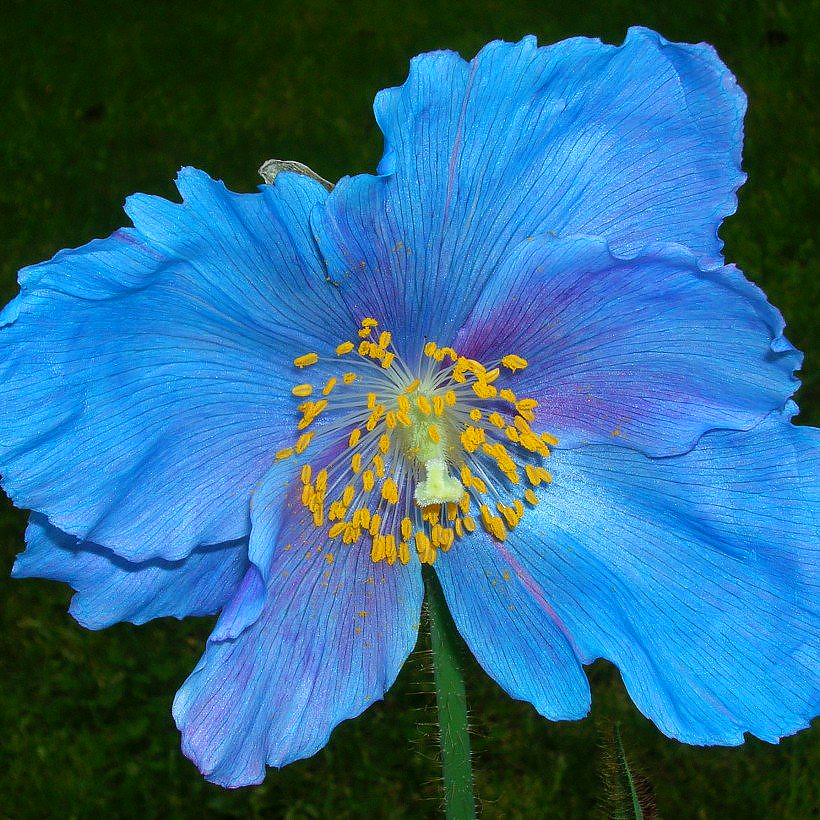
{"x": 334, "y": 632}
{"x": 145, "y": 378}
{"x": 275, "y": 500}
{"x": 648, "y": 352}
{"x": 638, "y": 144}
{"x": 511, "y": 629}
{"x": 110, "y": 589}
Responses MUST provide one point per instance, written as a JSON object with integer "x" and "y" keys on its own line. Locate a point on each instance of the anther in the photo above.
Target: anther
{"x": 306, "y": 360}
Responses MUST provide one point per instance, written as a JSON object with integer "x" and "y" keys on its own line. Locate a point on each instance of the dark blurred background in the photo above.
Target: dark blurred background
{"x": 100, "y": 99}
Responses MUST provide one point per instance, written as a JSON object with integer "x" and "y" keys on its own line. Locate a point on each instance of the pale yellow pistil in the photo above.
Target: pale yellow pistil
{"x": 438, "y": 487}
{"x": 427, "y": 440}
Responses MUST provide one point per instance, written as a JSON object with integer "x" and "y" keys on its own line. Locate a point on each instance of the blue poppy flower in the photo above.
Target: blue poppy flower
{"x": 515, "y": 354}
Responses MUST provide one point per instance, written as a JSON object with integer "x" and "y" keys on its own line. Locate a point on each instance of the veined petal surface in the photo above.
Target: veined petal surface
{"x": 697, "y": 575}
{"x": 649, "y": 352}
{"x": 145, "y": 378}
{"x": 333, "y": 634}
{"x": 513, "y": 633}
{"x": 110, "y": 589}
{"x": 638, "y": 144}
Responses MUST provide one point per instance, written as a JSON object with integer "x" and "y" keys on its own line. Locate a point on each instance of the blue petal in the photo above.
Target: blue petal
{"x": 279, "y": 490}
{"x": 144, "y": 378}
{"x": 638, "y": 144}
{"x": 512, "y": 631}
{"x": 110, "y": 589}
{"x": 334, "y": 632}
{"x": 649, "y": 352}
{"x": 697, "y": 575}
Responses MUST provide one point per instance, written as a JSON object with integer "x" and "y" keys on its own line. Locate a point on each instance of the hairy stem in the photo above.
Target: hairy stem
{"x": 452, "y": 704}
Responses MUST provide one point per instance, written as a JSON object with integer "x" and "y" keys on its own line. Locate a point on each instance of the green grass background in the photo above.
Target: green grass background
{"x": 102, "y": 99}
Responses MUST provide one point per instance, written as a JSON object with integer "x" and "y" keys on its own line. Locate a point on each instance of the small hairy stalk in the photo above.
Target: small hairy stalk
{"x": 451, "y": 703}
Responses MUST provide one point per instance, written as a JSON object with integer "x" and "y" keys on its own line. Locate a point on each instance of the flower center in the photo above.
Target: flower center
{"x": 404, "y": 457}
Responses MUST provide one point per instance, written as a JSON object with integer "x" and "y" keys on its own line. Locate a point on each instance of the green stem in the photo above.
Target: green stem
{"x": 630, "y": 781}
{"x": 459, "y": 803}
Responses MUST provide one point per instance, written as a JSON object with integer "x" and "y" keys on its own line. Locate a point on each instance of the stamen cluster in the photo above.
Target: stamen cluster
{"x": 415, "y": 457}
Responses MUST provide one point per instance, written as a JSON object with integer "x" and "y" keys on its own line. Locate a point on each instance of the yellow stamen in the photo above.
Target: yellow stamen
{"x": 431, "y": 513}
{"x": 329, "y": 385}
{"x": 390, "y": 492}
{"x": 497, "y": 420}
{"x": 514, "y": 362}
{"x": 377, "y": 549}
{"x": 344, "y": 347}
{"x": 479, "y": 486}
{"x": 306, "y": 360}
{"x": 521, "y": 425}
{"x": 422, "y": 543}
{"x": 375, "y": 415}
{"x": 530, "y": 441}
{"x": 302, "y": 390}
